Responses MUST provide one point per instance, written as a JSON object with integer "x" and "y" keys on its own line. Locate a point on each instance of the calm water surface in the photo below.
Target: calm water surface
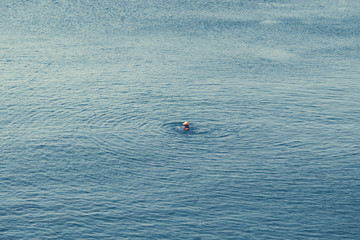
{"x": 93, "y": 95}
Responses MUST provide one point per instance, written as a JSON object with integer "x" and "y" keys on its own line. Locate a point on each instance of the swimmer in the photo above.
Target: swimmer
{"x": 186, "y": 126}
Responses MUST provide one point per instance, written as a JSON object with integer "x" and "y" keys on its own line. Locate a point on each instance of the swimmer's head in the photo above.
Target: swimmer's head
{"x": 186, "y": 126}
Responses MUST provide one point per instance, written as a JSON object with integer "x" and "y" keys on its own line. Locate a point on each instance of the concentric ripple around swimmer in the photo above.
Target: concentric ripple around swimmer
{"x": 122, "y": 133}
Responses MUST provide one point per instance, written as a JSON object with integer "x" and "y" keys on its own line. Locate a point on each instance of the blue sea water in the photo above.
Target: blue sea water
{"x": 93, "y": 94}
